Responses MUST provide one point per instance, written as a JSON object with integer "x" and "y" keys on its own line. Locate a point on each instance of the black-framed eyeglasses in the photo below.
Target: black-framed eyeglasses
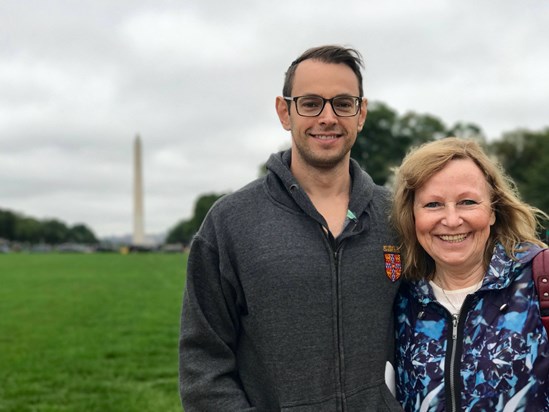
{"x": 312, "y": 106}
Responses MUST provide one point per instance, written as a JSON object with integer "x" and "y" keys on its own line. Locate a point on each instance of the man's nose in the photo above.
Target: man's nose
{"x": 327, "y": 115}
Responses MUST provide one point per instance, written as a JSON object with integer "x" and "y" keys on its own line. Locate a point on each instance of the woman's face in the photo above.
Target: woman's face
{"x": 453, "y": 215}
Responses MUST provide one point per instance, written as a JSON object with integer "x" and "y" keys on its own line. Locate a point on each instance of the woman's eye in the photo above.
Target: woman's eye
{"x": 468, "y": 202}
{"x": 431, "y": 205}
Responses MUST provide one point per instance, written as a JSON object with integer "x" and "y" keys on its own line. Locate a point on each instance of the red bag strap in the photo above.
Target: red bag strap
{"x": 541, "y": 277}
{"x": 540, "y": 272}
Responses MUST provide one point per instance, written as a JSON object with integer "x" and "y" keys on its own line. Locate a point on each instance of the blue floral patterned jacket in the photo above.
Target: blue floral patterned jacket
{"x": 493, "y": 357}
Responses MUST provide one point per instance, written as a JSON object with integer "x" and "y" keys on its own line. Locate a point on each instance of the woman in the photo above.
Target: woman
{"x": 469, "y": 334}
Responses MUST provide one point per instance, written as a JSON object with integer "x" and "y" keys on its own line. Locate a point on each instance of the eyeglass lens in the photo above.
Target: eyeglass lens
{"x": 313, "y": 105}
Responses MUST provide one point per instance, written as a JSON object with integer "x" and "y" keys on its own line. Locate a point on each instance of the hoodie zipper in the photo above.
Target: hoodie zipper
{"x": 338, "y": 329}
{"x": 336, "y": 248}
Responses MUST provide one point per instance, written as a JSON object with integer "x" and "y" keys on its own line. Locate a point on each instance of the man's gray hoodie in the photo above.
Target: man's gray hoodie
{"x": 280, "y": 316}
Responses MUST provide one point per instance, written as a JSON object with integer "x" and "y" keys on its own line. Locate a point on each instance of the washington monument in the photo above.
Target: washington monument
{"x": 138, "y": 220}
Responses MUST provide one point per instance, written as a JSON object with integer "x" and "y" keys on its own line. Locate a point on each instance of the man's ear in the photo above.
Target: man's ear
{"x": 283, "y": 112}
{"x": 363, "y": 113}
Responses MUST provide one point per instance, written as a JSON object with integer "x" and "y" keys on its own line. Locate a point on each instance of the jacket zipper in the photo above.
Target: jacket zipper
{"x": 458, "y": 321}
{"x": 455, "y": 322}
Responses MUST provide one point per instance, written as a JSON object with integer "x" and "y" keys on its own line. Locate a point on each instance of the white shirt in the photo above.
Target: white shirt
{"x": 453, "y": 299}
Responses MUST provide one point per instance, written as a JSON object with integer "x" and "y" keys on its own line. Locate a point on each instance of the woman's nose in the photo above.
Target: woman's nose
{"x": 451, "y": 217}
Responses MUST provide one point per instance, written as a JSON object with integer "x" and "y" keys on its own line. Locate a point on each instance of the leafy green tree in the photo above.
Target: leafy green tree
{"x": 415, "y": 129}
{"x": 55, "y": 231}
{"x": 524, "y": 155}
{"x": 28, "y": 229}
{"x": 386, "y": 137}
{"x": 8, "y": 222}
{"x": 377, "y": 148}
{"x": 184, "y": 231}
{"x": 467, "y": 131}
{"x": 16, "y": 227}
{"x": 80, "y": 233}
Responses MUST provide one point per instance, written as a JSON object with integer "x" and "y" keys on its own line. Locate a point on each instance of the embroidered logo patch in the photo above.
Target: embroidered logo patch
{"x": 393, "y": 267}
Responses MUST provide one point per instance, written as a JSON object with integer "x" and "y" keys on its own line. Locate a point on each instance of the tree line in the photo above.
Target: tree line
{"x": 380, "y": 147}
{"x": 19, "y": 228}
{"x": 388, "y": 136}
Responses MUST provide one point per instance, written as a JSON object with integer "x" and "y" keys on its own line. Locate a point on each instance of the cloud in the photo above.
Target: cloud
{"x": 197, "y": 80}
{"x": 186, "y": 40}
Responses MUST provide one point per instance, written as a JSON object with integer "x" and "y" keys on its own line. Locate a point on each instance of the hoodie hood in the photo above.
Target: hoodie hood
{"x": 285, "y": 189}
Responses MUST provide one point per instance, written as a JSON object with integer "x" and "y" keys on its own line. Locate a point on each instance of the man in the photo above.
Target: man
{"x": 288, "y": 297}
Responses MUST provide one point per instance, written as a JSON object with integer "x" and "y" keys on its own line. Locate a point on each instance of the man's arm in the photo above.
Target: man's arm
{"x": 208, "y": 375}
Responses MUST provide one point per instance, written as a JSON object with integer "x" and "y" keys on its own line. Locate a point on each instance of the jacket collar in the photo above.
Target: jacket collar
{"x": 501, "y": 272}
{"x": 503, "y": 269}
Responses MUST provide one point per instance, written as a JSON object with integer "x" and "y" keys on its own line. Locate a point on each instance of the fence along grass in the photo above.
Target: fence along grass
{"x": 89, "y": 332}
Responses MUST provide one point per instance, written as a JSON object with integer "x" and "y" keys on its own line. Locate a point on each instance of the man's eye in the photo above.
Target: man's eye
{"x": 311, "y": 103}
{"x": 344, "y": 103}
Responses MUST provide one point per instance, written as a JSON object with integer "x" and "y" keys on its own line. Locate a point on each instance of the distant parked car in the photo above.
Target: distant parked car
{"x": 41, "y": 248}
{"x": 74, "y": 248}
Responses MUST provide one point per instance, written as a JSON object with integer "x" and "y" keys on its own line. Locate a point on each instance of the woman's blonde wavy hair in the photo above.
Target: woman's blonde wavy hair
{"x": 516, "y": 221}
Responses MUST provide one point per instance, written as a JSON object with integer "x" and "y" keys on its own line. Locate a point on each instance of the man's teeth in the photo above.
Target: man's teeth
{"x": 326, "y": 136}
{"x": 453, "y": 238}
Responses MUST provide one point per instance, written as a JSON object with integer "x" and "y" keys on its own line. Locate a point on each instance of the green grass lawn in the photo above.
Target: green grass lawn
{"x": 86, "y": 333}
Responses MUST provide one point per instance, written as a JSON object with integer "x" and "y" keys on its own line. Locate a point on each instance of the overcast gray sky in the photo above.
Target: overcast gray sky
{"x": 198, "y": 79}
